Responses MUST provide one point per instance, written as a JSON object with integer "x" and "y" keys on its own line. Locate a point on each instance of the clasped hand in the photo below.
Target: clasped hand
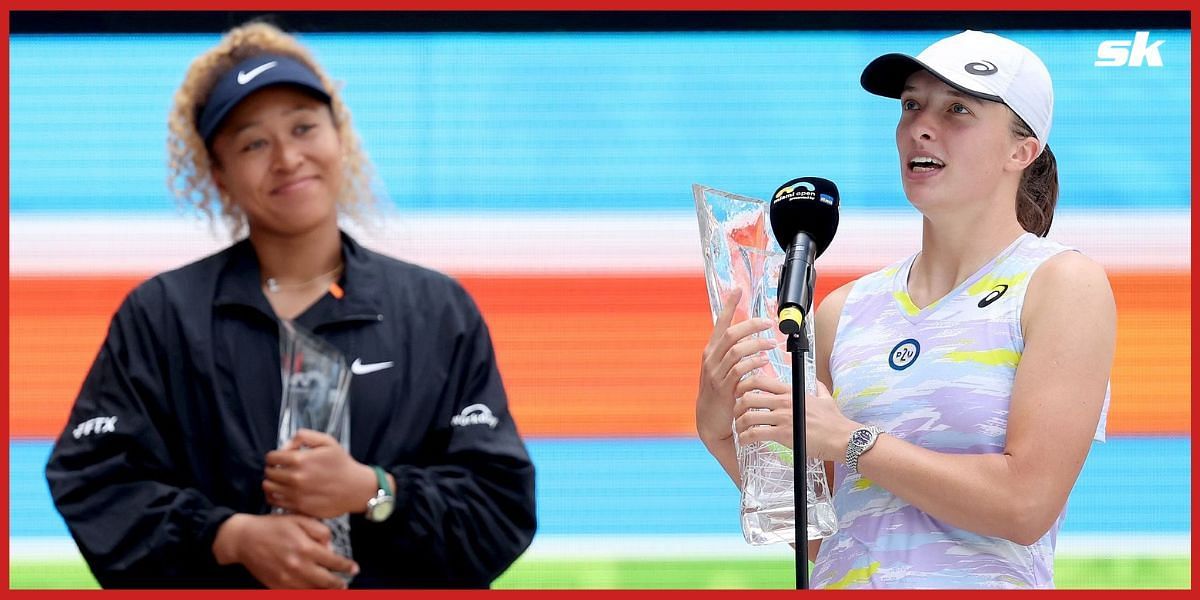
{"x": 763, "y": 412}
{"x": 314, "y": 478}
{"x": 314, "y": 475}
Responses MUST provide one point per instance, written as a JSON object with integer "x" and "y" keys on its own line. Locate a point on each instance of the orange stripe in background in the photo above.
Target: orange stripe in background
{"x": 591, "y": 356}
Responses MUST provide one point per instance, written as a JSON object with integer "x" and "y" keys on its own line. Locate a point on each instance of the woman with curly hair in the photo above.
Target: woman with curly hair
{"x": 167, "y": 472}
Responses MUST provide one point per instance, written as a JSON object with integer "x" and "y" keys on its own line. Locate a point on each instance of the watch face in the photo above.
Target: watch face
{"x": 861, "y": 437}
{"x": 381, "y": 508}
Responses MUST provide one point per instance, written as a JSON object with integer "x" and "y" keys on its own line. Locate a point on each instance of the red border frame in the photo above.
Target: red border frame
{"x": 526, "y": 5}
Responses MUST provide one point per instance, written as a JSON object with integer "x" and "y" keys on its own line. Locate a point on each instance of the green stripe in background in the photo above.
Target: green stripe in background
{"x": 1079, "y": 573}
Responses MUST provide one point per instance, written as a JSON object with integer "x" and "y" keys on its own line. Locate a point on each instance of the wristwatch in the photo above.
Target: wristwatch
{"x": 380, "y": 507}
{"x": 861, "y": 440}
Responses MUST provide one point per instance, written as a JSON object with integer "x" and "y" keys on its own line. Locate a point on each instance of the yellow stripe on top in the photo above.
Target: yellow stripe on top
{"x": 906, "y": 303}
{"x": 871, "y": 392}
{"x": 1001, "y": 357}
{"x": 855, "y": 576}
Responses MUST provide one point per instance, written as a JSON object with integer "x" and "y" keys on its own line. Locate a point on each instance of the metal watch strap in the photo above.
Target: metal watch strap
{"x": 861, "y": 440}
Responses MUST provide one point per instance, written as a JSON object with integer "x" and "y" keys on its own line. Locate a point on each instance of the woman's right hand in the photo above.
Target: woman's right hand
{"x": 729, "y": 355}
{"x": 282, "y": 551}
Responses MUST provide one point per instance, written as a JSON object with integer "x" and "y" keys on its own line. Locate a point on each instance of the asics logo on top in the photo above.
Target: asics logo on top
{"x": 993, "y": 295}
{"x": 244, "y": 77}
{"x": 475, "y": 414}
{"x": 97, "y": 425}
{"x": 358, "y": 368}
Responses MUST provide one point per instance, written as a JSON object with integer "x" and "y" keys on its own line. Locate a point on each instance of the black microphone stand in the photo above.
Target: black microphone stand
{"x": 797, "y": 345}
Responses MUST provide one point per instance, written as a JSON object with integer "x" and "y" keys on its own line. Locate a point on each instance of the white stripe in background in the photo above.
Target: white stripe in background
{"x": 732, "y": 546}
{"x": 538, "y": 243}
{"x": 548, "y": 547}
{"x": 41, "y": 549}
{"x": 1132, "y": 544}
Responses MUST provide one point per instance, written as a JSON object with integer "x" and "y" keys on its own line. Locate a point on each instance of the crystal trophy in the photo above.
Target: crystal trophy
{"x": 316, "y": 389}
{"x": 739, "y": 252}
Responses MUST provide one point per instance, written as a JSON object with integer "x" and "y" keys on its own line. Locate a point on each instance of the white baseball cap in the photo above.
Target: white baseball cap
{"x": 981, "y": 64}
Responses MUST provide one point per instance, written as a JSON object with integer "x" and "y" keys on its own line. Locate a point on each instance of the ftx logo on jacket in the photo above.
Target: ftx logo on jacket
{"x": 97, "y": 425}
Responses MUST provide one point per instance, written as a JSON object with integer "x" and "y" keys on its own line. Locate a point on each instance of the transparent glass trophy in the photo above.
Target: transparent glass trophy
{"x": 316, "y": 389}
{"x": 739, "y": 252}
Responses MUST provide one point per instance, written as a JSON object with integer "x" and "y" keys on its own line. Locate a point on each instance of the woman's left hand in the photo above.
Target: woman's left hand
{"x": 826, "y": 429}
{"x": 315, "y": 476}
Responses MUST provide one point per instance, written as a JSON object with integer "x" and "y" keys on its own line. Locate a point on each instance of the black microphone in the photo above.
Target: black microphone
{"x": 804, "y": 217}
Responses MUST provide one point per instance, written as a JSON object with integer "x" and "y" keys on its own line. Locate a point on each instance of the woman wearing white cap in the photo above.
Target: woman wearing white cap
{"x": 969, "y": 379}
{"x": 175, "y": 487}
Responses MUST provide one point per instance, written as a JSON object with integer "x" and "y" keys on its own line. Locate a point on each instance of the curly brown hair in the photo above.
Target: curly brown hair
{"x": 189, "y": 171}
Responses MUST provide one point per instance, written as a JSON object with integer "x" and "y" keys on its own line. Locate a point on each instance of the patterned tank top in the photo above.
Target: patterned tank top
{"x": 941, "y": 378}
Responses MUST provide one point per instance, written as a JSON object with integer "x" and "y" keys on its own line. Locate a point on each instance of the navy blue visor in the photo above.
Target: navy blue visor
{"x": 249, "y": 76}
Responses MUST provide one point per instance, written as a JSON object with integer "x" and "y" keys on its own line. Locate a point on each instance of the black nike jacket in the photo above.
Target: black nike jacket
{"x": 168, "y": 436}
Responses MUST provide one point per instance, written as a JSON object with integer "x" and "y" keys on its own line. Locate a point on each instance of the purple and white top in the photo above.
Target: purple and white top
{"x": 939, "y": 377}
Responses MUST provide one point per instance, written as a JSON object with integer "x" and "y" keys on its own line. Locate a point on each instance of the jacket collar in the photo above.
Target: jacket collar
{"x": 240, "y": 284}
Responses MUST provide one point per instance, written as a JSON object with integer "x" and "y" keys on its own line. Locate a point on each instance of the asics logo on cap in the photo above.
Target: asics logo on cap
{"x": 244, "y": 77}
{"x": 982, "y": 67}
